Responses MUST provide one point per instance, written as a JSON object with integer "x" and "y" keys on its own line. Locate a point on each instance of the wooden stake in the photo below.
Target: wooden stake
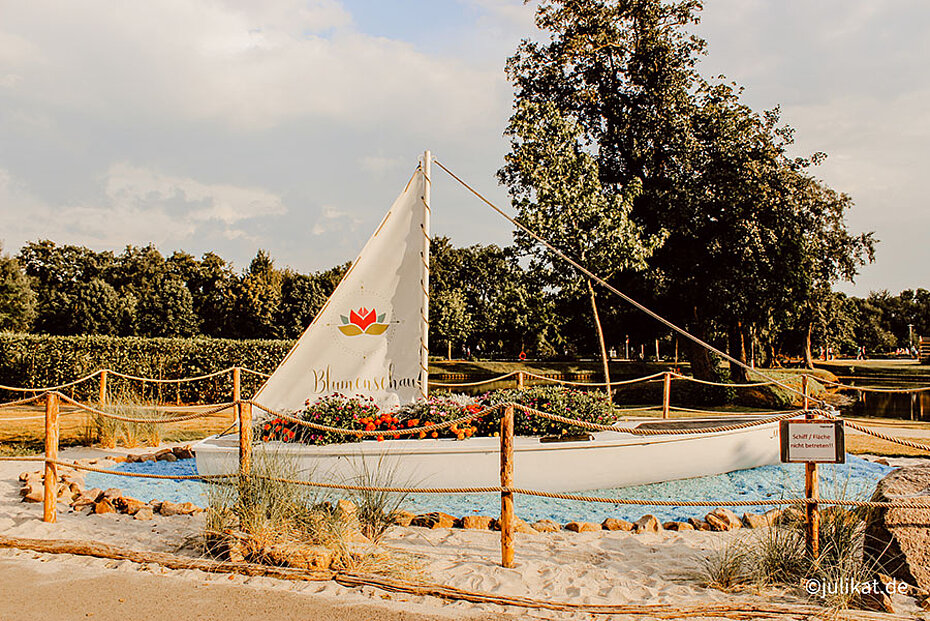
{"x": 103, "y": 387}
{"x": 804, "y": 390}
{"x": 507, "y": 481}
{"x": 51, "y": 453}
{"x": 237, "y": 390}
{"x": 812, "y": 490}
{"x": 666, "y": 393}
{"x": 520, "y": 385}
{"x": 245, "y": 439}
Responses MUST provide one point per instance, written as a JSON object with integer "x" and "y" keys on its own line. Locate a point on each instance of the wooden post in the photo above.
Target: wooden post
{"x": 507, "y": 481}
{"x": 804, "y": 391}
{"x": 812, "y": 513}
{"x": 520, "y": 385}
{"x": 103, "y": 387}
{"x": 666, "y": 393}
{"x": 237, "y": 390}
{"x": 657, "y": 350}
{"x": 51, "y": 453}
{"x": 245, "y": 439}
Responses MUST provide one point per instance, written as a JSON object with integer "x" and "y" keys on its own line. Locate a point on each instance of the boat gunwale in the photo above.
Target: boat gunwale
{"x": 488, "y": 443}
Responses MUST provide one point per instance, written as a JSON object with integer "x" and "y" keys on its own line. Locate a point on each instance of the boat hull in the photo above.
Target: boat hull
{"x": 611, "y": 459}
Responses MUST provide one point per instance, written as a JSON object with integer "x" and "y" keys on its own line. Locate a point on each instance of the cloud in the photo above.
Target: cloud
{"x": 248, "y": 65}
{"x": 332, "y": 219}
{"x": 140, "y": 206}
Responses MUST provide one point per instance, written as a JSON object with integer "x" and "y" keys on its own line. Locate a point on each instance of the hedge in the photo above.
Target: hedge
{"x": 33, "y": 360}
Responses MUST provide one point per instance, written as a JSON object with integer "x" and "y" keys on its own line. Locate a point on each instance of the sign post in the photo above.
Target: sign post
{"x": 811, "y": 442}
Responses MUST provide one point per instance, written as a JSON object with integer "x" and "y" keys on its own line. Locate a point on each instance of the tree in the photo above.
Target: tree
{"x": 259, "y": 299}
{"x": 556, "y": 188}
{"x": 17, "y": 300}
{"x": 301, "y": 299}
{"x": 56, "y": 273}
{"x": 94, "y": 309}
{"x": 213, "y": 285}
{"x": 747, "y": 227}
{"x": 166, "y": 308}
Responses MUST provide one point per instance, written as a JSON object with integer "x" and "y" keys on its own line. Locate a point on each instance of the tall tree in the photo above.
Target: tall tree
{"x": 556, "y": 187}
{"x": 715, "y": 175}
{"x": 259, "y": 299}
{"x": 17, "y": 300}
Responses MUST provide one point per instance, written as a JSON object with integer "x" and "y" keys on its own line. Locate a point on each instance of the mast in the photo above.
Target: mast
{"x": 424, "y": 279}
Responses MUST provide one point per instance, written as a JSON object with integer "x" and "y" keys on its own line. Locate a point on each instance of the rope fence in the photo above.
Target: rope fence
{"x": 506, "y": 489}
{"x": 485, "y": 490}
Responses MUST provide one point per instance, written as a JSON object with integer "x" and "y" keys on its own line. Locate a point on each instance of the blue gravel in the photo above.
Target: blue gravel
{"x": 855, "y": 479}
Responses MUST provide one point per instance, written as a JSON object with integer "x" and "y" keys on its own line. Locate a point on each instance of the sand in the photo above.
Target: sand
{"x": 596, "y": 568}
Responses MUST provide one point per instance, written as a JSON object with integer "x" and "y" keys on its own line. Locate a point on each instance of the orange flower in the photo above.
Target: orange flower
{"x": 434, "y": 434}
{"x": 380, "y": 438}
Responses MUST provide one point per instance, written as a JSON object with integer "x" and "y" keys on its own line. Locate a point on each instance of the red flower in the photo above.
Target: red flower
{"x": 362, "y": 318}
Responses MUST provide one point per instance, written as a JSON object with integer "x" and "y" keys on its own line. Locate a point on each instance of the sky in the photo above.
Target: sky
{"x": 290, "y": 126}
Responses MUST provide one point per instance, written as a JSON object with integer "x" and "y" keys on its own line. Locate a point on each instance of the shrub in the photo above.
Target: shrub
{"x": 589, "y": 406}
{"x": 35, "y": 360}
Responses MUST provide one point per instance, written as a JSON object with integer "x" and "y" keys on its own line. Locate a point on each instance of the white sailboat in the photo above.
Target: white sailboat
{"x": 370, "y": 339}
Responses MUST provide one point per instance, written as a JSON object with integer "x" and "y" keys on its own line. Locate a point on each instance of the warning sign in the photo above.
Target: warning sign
{"x": 814, "y": 441}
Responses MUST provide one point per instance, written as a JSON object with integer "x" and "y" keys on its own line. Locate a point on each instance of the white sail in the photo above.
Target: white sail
{"x": 367, "y": 340}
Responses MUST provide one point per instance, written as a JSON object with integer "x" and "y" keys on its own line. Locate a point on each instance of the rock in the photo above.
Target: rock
{"x": 519, "y": 526}
{"x": 113, "y": 493}
{"x": 188, "y": 508}
{"x": 33, "y": 492}
{"x": 616, "y": 524}
{"x": 436, "y": 519}
{"x": 162, "y": 454}
{"x": 897, "y": 540}
{"x": 131, "y": 458}
{"x": 183, "y": 452}
{"x": 129, "y": 506}
{"x": 478, "y": 522}
{"x": 754, "y": 520}
{"x": 583, "y": 527}
{"x": 144, "y": 512}
{"x": 149, "y": 457}
{"x": 346, "y": 508}
{"x": 104, "y": 506}
{"x": 546, "y": 526}
{"x": 30, "y": 474}
{"x": 169, "y": 508}
{"x": 647, "y": 524}
{"x": 402, "y": 518}
{"x": 882, "y": 461}
{"x": 169, "y": 457}
{"x": 679, "y": 526}
{"x": 699, "y": 524}
{"x": 773, "y": 516}
{"x": 721, "y": 519}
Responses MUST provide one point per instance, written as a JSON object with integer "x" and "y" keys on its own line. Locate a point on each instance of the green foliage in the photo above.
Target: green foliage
{"x": 17, "y": 300}
{"x": 612, "y": 89}
{"x": 166, "y": 309}
{"x": 94, "y": 309}
{"x": 589, "y": 406}
{"x": 41, "y": 360}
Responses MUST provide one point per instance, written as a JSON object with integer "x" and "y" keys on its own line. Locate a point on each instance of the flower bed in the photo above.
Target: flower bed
{"x": 363, "y": 415}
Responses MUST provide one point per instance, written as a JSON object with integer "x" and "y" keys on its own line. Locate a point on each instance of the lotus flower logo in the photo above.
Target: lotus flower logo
{"x": 363, "y": 321}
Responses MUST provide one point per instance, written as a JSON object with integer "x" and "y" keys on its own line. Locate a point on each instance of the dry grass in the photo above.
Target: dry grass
{"x": 76, "y": 426}
{"x": 859, "y": 444}
{"x": 282, "y": 524}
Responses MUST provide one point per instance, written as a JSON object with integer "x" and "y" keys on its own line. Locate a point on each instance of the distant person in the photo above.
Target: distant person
{"x": 860, "y": 352}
